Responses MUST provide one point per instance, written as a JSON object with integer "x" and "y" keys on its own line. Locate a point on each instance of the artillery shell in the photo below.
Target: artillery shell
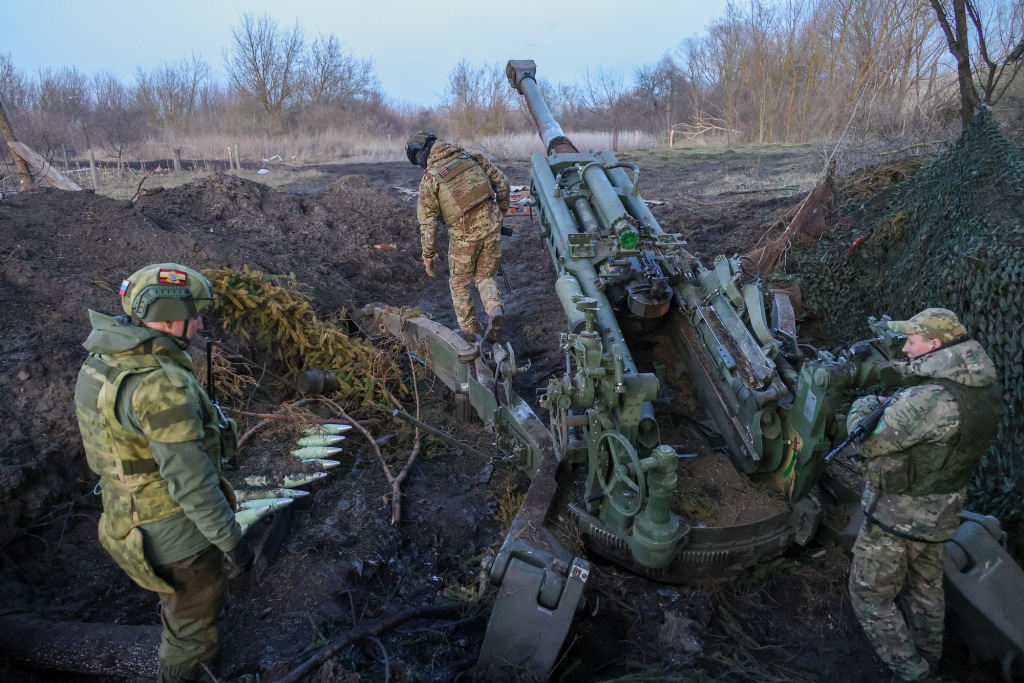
{"x": 275, "y": 503}
{"x": 328, "y": 464}
{"x": 257, "y": 494}
{"x": 331, "y": 429}
{"x": 315, "y": 452}
{"x": 251, "y": 515}
{"x": 293, "y": 480}
{"x": 289, "y": 482}
{"x": 321, "y": 440}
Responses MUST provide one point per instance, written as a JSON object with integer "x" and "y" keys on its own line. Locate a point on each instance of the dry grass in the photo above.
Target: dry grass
{"x": 293, "y": 158}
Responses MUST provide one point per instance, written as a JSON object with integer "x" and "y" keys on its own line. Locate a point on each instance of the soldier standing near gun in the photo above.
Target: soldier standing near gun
{"x": 471, "y": 195}
{"x": 916, "y": 463}
{"x": 156, "y": 440}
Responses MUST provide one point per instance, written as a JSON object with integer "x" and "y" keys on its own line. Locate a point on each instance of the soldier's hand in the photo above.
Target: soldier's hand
{"x": 428, "y": 265}
{"x": 240, "y": 559}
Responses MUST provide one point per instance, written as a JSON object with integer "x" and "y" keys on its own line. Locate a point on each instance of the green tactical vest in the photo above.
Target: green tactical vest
{"x": 134, "y": 493}
{"x": 462, "y": 185}
{"x": 929, "y": 468}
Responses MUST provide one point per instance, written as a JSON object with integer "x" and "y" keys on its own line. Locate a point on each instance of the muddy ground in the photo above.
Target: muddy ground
{"x": 351, "y": 237}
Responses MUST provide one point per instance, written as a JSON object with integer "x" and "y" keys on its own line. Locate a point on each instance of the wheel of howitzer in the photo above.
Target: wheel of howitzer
{"x": 611, "y": 447}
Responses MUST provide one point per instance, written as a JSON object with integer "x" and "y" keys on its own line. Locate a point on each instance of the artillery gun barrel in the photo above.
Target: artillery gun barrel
{"x": 522, "y": 74}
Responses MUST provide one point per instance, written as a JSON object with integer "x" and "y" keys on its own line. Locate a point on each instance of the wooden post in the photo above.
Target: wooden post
{"x": 177, "y": 159}
{"x": 92, "y": 169}
{"x": 47, "y": 172}
{"x": 231, "y": 164}
{"x": 8, "y": 132}
{"x": 238, "y": 162}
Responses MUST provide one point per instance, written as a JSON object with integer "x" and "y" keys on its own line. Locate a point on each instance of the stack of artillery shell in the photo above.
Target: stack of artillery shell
{"x": 314, "y": 456}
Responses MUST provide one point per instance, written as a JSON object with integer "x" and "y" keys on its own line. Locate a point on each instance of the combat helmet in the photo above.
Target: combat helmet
{"x": 165, "y": 291}
{"x": 417, "y": 142}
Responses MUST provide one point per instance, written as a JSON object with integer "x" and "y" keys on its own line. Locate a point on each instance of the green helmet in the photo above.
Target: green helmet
{"x": 418, "y": 141}
{"x": 165, "y": 291}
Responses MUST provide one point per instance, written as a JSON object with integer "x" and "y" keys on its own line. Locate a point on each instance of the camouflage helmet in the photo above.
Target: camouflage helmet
{"x": 165, "y": 291}
{"x": 417, "y": 142}
{"x": 933, "y": 323}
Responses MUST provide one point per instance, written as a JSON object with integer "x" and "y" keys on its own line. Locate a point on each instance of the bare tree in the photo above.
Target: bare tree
{"x": 66, "y": 95}
{"x": 478, "y": 100}
{"x": 170, "y": 93}
{"x": 658, "y": 89}
{"x": 603, "y": 94}
{"x": 12, "y": 89}
{"x": 958, "y": 18}
{"x": 264, "y": 61}
{"x": 119, "y": 120}
{"x": 334, "y": 76}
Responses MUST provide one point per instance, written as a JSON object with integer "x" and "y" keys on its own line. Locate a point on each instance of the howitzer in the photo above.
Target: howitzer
{"x": 620, "y": 279}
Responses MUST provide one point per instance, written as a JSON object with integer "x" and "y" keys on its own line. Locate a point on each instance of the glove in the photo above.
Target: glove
{"x": 428, "y": 265}
{"x": 240, "y": 559}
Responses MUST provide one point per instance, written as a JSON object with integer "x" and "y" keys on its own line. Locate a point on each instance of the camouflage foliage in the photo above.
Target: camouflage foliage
{"x": 950, "y": 235}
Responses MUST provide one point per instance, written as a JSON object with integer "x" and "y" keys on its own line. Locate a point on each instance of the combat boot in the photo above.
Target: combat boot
{"x": 468, "y": 336}
{"x": 493, "y": 333}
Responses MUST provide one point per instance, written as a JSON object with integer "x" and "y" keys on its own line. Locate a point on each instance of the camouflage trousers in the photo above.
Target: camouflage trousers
{"x": 469, "y": 261}
{"x": 192, "y": 615}
{"x": 888, "y": 570}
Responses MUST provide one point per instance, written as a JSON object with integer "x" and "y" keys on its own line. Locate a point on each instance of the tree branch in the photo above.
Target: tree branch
{"x": 373, "y": 628}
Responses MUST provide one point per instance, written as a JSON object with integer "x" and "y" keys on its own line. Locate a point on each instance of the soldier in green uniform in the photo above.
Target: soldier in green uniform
{"x": 916, "y": 463}
{"x": 156, "y": 441}
{"x": 470, "y": 194}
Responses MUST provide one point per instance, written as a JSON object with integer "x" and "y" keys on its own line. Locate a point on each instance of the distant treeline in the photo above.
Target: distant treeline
{"x": 765, "y": 72}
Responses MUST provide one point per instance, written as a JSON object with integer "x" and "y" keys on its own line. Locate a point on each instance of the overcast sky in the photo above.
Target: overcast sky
{"x": 414, "y": 45}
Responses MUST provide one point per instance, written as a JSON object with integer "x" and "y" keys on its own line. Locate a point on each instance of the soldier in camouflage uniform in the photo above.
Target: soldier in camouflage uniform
{"x": 916, "y": 463}
{"x": 155, "y": 439}
{"x": 471, "y": 195}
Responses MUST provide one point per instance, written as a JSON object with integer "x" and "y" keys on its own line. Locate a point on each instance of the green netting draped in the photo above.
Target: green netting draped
{"x": 951, "y": 235}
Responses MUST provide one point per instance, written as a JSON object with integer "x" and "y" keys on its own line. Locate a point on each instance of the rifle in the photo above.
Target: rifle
{"x": 863, "y": 428}
{"x": 505, "y": 230}
{"x": 211, "y": 386}
{"x": 504, "y": 278}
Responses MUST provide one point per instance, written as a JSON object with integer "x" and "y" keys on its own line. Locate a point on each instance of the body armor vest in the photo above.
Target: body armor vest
{"x": 929, "y": 468}
{"x": 134, "y": 493}
{"x": 462, "y": 186}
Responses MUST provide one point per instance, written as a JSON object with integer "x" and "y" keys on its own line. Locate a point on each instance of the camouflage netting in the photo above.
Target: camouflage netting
{"x": 951, "y": 235}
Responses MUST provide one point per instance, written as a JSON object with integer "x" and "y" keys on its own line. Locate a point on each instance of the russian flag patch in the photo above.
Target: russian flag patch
{"x": 124, "y": 287}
